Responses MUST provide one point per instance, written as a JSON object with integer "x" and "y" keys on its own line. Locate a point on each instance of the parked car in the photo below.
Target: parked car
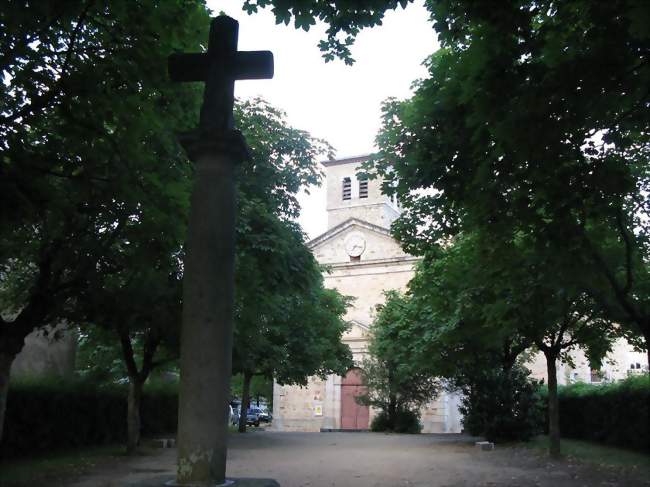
{"x": 253, "y": 416}
{"x": 265, "y": 416}
{"x": 235, "y": 415}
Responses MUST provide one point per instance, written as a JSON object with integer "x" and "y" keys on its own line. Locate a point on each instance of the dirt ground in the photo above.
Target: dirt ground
{"x": 378, "y": 460}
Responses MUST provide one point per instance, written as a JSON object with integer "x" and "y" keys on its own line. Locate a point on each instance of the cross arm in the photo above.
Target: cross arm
{"x": 195, "y": 66}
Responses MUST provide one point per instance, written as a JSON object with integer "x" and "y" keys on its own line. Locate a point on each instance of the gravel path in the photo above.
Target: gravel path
{"x": 378, "y": 460}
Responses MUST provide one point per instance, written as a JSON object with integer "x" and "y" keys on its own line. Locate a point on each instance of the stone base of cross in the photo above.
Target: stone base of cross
{"x": 166, "y": 481}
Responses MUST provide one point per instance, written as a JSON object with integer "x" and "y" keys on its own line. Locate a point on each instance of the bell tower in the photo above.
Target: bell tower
{"x": 352, "y": 196}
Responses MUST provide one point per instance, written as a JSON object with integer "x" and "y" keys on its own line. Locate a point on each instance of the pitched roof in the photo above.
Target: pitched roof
{"x": 341, "y": 227}
{"x": 346, "y": 160}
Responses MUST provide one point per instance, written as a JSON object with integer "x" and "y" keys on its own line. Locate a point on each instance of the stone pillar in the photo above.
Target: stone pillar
{"x": 278, "y": 413}
{"x": 208, "y": 294}
{"x": 328, "y": 404}
{"x": 337, "y": 401}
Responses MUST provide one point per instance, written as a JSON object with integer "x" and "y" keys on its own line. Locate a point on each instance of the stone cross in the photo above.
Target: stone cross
{"x": 219, "y": 68}
{"x": 208, "y": 280}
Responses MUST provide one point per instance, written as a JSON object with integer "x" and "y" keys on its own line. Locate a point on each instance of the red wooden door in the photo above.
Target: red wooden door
{"x": 353, "y": 416}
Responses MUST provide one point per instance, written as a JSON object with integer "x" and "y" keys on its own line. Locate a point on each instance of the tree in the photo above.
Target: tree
{"x": 571, "y": 168}
{"x": 482, "y": 303}
{"x": 135, "y": 291}
{"x": 87, "y": 124}
{"x": 346, "y": 17}
{"x": 556, "y": 318}
{"x": 137, "y": 298}
{"x": 460, "y": 336}
{"x": 534, "y": 119}
{"x": 395, "y": 384}
{"x": 279, "y": 290}
{"x": 287, "y": 325}
{"x": 261, "y": 388}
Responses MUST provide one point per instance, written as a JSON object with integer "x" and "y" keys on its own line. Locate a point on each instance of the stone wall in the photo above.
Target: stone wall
{"x": 616, "y": 366}
{"x": 377, "y": 208}
{"x": 50, "y": 354}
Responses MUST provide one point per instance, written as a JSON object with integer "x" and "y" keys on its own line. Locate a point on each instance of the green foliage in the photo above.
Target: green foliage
{"x": 599, "y": 455}
{"x": 261, "y": 387}
{"x": 502, "y": 405}
{"x": 159, "y": 409}
{"x": 614, "y": 413}
{"x": 462, "y": 310}
{"x": 405, "y": 421}
{"x": 89, "y": 156}
{"x": 287, "y": 325}
{"x": 99, "y": 357}
{"x": 49, "y": 466}
{"x": 569, "y": 171}
{"x": 93, "y": 180}
{"x": 98, "y": 191}
{"x": 395, "y": 383}
{"x": 93, "y": 415}
{"x": 345, "y": 18}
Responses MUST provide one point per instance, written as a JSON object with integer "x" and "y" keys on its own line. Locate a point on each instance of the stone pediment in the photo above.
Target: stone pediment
{"x": 357, "y": 332}
{"x": 334, "y": 246}
{"x": 357, "y": 324}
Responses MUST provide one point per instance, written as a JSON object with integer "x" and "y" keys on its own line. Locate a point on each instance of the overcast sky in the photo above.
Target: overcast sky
{"x": 339, "y": 103}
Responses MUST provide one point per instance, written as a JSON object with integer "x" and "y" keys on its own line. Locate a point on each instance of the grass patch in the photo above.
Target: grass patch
{"x": 57, "y": 466}
{"x": 589, "y": 452}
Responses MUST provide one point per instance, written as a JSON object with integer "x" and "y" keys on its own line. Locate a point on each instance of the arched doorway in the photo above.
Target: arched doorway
{"x": 354, "y": 416}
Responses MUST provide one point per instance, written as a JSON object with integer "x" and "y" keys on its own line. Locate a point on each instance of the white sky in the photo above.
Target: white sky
{"x": 332, "y": 101}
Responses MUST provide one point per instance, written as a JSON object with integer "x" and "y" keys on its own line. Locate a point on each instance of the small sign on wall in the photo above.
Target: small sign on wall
{"x": 318, "y": 409}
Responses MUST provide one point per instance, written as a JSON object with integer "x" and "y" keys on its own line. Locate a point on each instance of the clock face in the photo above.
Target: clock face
{"x": 355, "y": 244}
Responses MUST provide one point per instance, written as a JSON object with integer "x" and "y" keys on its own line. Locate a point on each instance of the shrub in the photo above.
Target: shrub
{"x": 44, "y": 415}
{"x": 503, "y": 406}
{"x": 405, "y": 422}
{"x": 159, "y": 409}
{"x": 614, "y": 413}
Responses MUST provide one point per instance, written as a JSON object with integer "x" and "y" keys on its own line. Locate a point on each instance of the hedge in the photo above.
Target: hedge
{"x": 48, "y": 415}
{"x": 614, "y": 413}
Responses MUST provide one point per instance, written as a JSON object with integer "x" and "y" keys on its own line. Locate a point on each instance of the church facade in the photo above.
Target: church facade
{"x": 363, "y": 261}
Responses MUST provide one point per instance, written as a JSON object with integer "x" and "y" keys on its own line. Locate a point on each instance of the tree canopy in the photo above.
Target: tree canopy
{"x": 397, "y": 383}
{"x": 88, "y": 153}
{"x": 344, "y": 19}
{"x": 96, "y": 187}
{"x": 533, "y": 120}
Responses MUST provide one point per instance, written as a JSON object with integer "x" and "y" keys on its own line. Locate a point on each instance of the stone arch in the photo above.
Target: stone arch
{"x": 354, "y": 416}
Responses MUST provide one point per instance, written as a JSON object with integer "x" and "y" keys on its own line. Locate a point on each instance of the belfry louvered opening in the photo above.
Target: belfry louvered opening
{"x": 347, "y": 188}
{"x": 363, "y": 188}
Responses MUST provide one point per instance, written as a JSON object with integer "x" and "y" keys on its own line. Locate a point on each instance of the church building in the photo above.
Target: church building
{"x": 363, "y": 261}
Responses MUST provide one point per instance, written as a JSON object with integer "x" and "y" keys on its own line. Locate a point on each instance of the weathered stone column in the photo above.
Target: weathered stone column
{"x": 208, "y": 290}
{"x": 208, "y": 279}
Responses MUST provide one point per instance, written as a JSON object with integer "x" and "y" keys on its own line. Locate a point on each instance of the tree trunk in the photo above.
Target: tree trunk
{"x": 133, "y": 415}
{"x": 645, "y": 330}
{"x": 392, "y": 411}
{"x": 553, "y": 406}
{"x": 245, "y": 401}
{"x": 136, "y": 382}
{"x": 5, "y": 368}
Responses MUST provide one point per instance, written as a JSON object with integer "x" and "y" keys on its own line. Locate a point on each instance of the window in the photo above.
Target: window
{"x": 347, "y": 188}
{"x": 597, "y": 375}
{"x": 363, "y": 188}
